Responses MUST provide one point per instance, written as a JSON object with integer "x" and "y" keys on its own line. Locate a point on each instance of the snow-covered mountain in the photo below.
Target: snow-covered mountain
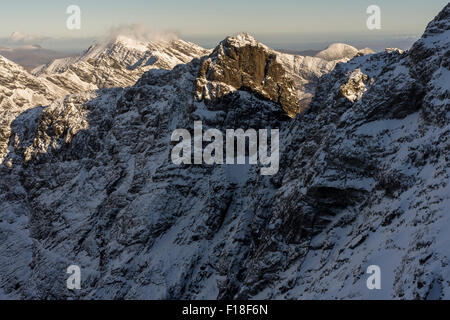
{"x": 118, "y": 62}
{"x": 363, "y": 181}
{"x": 341, "y": 51}
{"x": 19, "y": 88}
{"x": 243, "y": 62}
{"x": 30, "y": 56}
{"x": 20, "y": 91}
{"x": 121, "y": 61}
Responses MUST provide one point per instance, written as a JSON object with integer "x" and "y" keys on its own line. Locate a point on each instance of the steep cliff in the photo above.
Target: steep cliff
{"x": 363, "y": 181}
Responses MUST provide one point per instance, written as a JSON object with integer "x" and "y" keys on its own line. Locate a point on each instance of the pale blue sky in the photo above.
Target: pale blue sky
{"x": 215, "y": 19}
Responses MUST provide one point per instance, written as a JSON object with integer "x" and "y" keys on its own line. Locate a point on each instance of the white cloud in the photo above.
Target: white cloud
{"x": 20, "y": 38}
{"x": 141, "y": 32}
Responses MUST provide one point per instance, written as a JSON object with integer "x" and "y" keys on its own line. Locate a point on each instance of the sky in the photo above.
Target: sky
{"x": 288, "y": 22}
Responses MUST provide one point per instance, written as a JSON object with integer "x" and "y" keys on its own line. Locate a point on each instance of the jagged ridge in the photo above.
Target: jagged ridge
{"x": 364, "y": 180}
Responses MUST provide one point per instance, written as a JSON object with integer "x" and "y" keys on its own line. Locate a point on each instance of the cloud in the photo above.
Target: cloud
{"x": 141, "y": 32}
{"x": 17, "y": 39}
{"x": 137, "y": 32}
{"x": 20, "y": 38}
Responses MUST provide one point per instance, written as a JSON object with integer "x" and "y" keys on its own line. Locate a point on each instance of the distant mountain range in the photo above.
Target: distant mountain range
{"x": 119, "y": 62}
{"x": 86, "y": 176}
{"x": 31, "y": 56}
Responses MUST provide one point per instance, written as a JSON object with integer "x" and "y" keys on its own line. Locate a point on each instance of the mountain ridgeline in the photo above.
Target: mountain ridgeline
{"x": 86, "y": 177}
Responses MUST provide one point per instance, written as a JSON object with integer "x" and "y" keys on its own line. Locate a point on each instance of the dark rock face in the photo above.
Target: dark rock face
{"x": 364, "y": 179}
{"x": 247, "y": 66}
{"x": 429, "y": 54}
{"x": 356, "y": 158}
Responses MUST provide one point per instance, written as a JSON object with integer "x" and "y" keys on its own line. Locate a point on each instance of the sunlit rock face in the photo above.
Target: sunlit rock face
{"x": 87, "y": 180}
{"x": 356, "y": 86}
{"x": 242, "y": 63}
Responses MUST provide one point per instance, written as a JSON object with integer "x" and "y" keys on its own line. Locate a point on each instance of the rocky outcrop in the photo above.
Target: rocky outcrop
{"x": 356, "y": 86}
{"x": 241, "y": 63}
{"x": 363, "y": 181}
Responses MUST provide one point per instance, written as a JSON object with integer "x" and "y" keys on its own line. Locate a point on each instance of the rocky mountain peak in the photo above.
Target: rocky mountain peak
{"x": 440, "y": 24}
{"x": 242, "y": 63}
{"x": 430, "y": 59}
{"x": 363, "y": 179}
{"x": 241, "y": 40}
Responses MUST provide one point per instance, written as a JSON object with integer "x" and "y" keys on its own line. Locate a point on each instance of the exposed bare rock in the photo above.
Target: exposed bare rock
{"x": 242, "y": 63}
{"x": 363, "y": 180}
{"x": 356, "y": 86}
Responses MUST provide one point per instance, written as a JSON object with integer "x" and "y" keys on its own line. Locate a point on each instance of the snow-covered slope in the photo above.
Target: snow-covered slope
{"x": 363, "y": 181}
{"x": 367, "y": 183}
{"x": 19, "y": 88}
{"x": 20, "y": 91}
{"x": 118, "y": 62}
